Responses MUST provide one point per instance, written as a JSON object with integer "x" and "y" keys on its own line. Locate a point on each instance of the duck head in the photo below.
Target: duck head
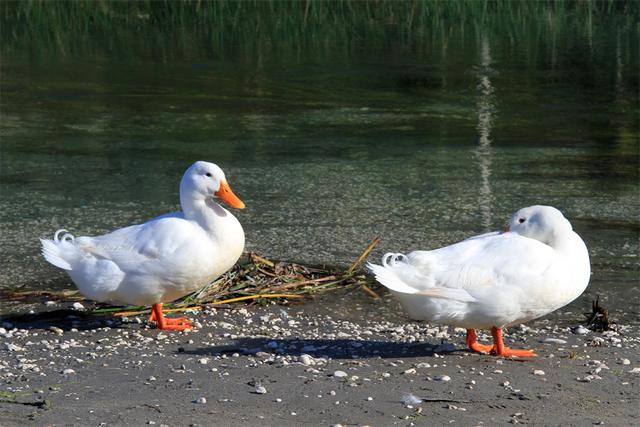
{"x": 204, "y": 180}
{"x": 543, "y": 223}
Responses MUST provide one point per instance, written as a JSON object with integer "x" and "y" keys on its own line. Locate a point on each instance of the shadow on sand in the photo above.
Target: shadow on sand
{"x": 326, "y": 348}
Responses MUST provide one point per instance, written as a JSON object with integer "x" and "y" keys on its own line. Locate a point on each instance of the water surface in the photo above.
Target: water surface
{"x": 421, "y": 137}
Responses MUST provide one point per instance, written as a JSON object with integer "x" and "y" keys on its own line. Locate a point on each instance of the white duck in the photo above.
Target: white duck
{"x": 493, "y": 280}
{"x": 162, "y": 259}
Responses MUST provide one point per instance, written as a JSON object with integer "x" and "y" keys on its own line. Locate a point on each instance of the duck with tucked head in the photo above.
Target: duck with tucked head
{"x": 493, "y": 280}
{"x": 163, "y": 259}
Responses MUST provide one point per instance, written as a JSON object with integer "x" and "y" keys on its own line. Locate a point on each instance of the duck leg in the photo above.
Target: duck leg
{"x": 166, "y": 323}
{"x": 473, "y": 344}
{"x": 499, "y": 348}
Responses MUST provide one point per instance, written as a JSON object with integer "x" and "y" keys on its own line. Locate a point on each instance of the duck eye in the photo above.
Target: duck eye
{"x": 208, "y": 174}
{"x": 521, "y": 220}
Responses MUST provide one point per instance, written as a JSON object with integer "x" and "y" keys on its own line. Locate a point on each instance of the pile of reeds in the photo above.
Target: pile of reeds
{"x": 254, "y": 278}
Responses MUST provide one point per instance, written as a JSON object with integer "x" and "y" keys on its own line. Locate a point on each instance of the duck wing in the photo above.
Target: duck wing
{"x": 463, "y": 269}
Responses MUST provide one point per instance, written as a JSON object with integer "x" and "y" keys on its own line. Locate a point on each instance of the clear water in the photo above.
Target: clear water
{"x": 421, "y": 147}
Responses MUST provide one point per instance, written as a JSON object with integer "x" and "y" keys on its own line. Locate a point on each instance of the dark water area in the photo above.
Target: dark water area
{"x": 334, "y": 126}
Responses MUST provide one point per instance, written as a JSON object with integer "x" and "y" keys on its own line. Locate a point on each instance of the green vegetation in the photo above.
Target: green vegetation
{"x": 287, "y": 29}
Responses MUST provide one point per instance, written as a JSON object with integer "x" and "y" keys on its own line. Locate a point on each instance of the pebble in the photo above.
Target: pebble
{"x": 13, "y": 347}
{"x": 260, "y": 389}
{"x": 538, "y": 372}
{"x": 625, "y": 362}
{"x": 635, "y": 371}
{"x": 306, "y": 360}
{"x": 201, "y": 400}
{"x": 203, "y": 361}
{"x": 56, "y": 330}
{"x": 410, "y": 371}
{"x": 554, "y": 341}
{"x": 581, "y": 330}
{"x": 442, "y": 378}
{"x": 78, "y": 306}
{"x": 340, "y": 374}
{"x": 68, "y": 371}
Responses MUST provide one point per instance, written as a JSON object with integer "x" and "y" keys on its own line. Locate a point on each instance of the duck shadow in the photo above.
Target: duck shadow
{"x": 64, "y": 319}
{"x": 325, "y": 348}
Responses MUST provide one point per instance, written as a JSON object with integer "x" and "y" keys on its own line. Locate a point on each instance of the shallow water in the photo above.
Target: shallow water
{"x": 420, "y": 143}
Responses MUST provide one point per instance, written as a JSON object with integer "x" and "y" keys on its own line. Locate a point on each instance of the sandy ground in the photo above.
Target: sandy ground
{"x": 336, "y": 360}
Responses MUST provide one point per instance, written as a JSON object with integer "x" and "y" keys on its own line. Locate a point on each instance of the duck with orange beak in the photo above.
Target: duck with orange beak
{"x": 162, "y": 259}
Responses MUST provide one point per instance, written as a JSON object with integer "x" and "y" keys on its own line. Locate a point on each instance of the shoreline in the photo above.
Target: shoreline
{"x": 336, "y": 360}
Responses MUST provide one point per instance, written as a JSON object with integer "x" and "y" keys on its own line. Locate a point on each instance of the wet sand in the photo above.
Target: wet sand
{"x": 328, "y": 362}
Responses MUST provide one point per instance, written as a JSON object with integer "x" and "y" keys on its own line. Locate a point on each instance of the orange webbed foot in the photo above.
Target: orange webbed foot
{"x": 481, "y": 348}
{"x": 474, "y": 345}
{"x": 175, "y": 327}
{"x": 499, "y": 348}
{"x": 509, "y": 352}
{"x": 168, "y": 323}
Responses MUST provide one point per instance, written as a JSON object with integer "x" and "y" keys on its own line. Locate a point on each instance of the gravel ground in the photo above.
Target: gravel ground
{"x": 338, "y": 360}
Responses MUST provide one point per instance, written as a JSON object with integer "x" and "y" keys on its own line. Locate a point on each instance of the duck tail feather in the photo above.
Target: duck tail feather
{"x": 387, "y": 275}
{"x": 52, "y": 253}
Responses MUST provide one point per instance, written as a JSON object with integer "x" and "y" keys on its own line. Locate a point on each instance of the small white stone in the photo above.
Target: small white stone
{"x": 203, "y": 361}
{"x": 68, "y": 371}
{"x": 554, "y": 341}
{"x": 410, "y": 371}
{"x": 78, "y": 306}
{"x": 278, "y": 400}
{"x": 340, "y": 374}
{"x": 49, "y": 303}
{"x": 260, "y": 389}
{"x": 635, "y": 371}
{"x": 201, "y": 400}
{"x": 442, "y": 378}
{"x": 538, "y": 372}
{"x": 625, "y": 362}
{"x": 306, "y": 360}
{"x": 581, "y": 330}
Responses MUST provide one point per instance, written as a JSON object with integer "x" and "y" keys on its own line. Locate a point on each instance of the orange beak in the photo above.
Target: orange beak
{"x": 228, "y": 197}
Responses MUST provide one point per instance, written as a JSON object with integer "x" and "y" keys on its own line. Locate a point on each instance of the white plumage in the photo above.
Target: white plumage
{"x": 495, "y": 279}
{"x": 162, "y": 259}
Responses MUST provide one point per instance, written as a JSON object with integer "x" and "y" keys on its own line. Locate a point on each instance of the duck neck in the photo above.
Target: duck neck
{"x": 207, "y": 213}
{"x": 221, "y": 226}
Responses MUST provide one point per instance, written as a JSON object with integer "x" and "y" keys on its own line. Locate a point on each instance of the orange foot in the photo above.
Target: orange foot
{"x": 167, "y": 323}
{"x": 473, "y": 344}
{"x": 499, "y": 348}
